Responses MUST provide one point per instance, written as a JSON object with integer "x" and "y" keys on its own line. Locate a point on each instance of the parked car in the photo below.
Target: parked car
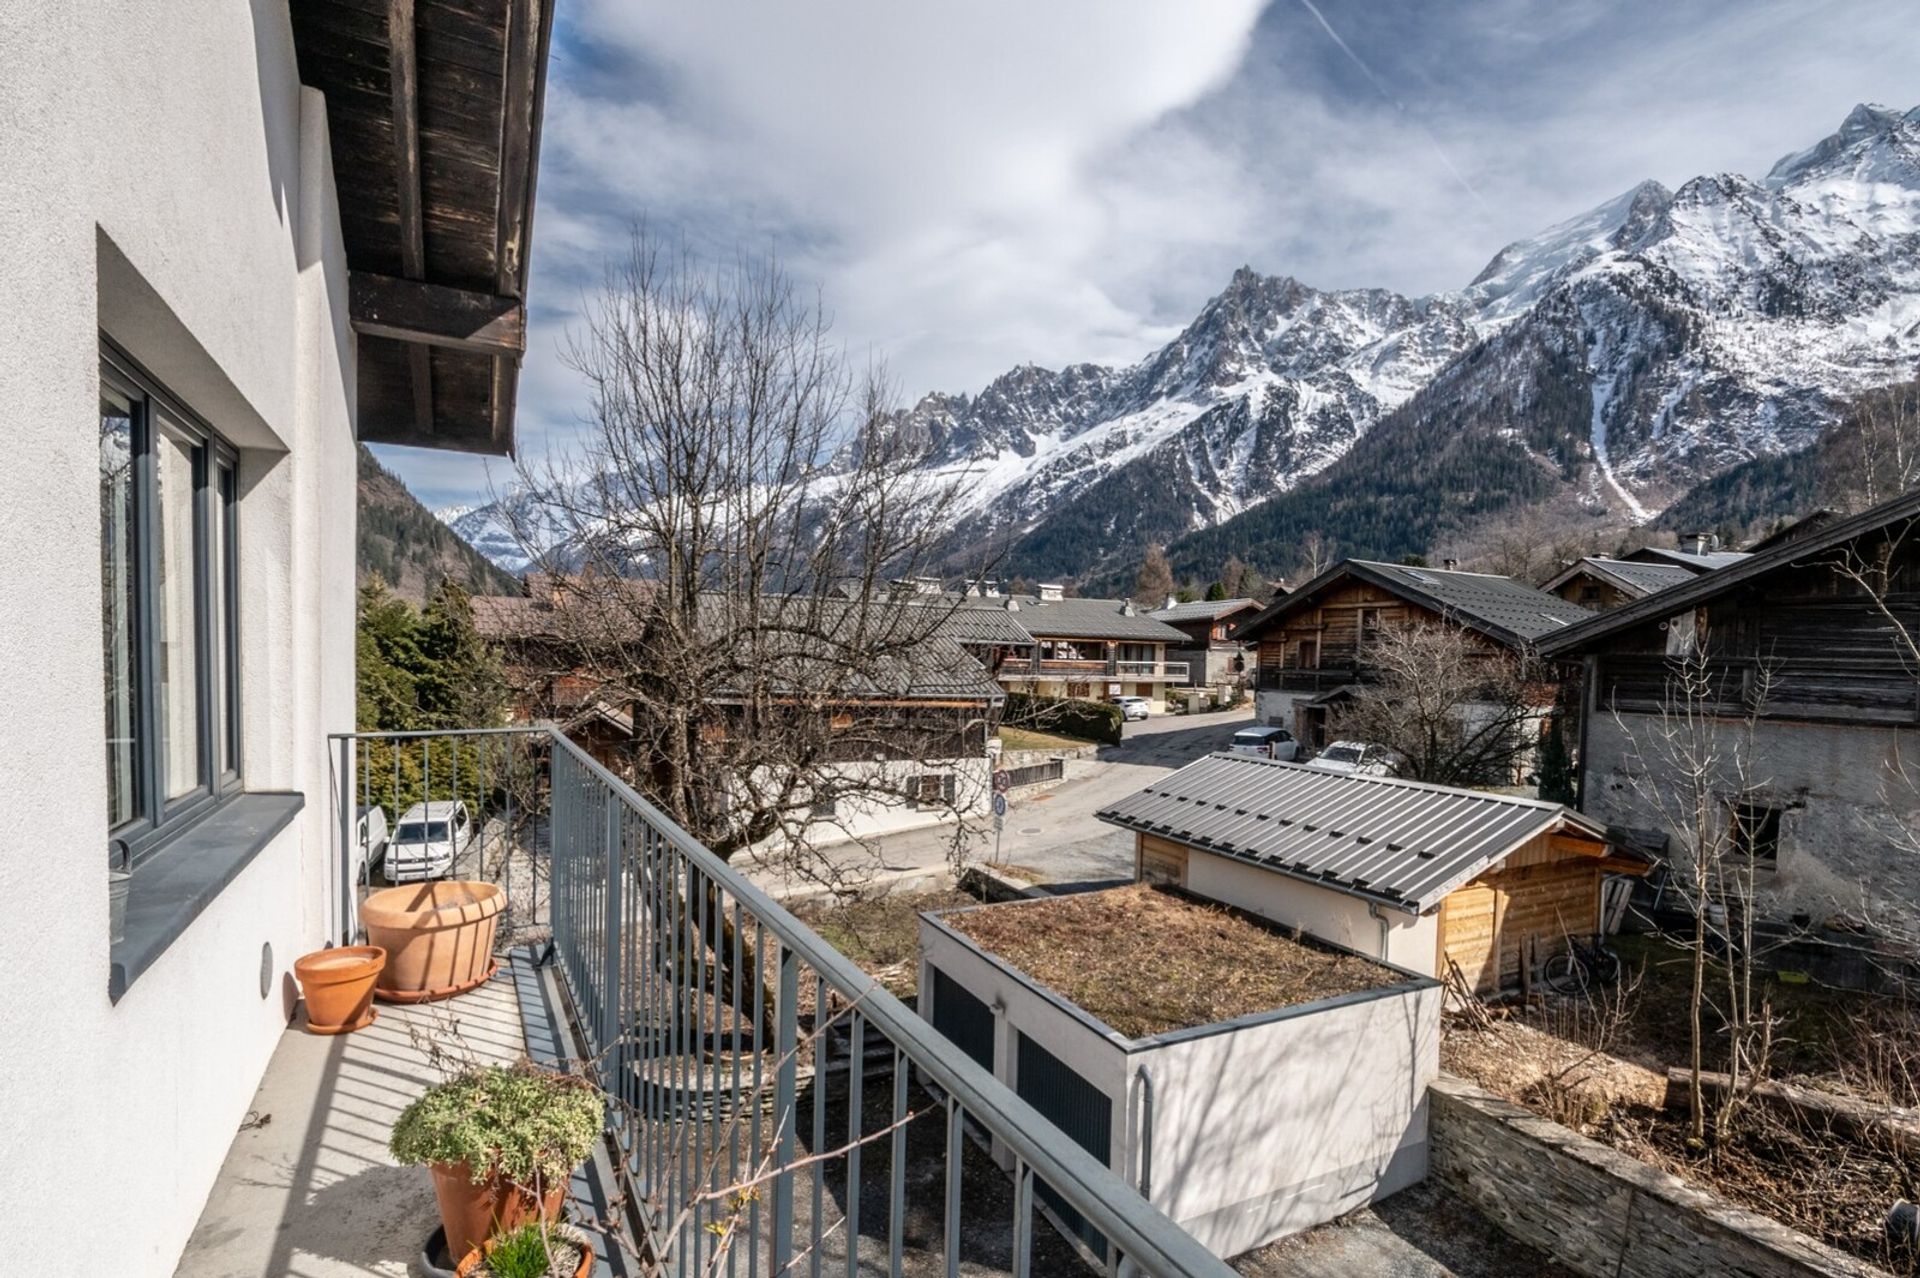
{"x": 370, "y": 835}
{"x": 1133, "y": 707}
{"x": 1358, "y": 757}
{"x": 1268, "y": 743}
{"x": 428, "y": 840}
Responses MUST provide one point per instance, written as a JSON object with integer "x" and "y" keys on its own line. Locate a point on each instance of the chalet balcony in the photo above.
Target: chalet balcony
{"x": 1056, "y": 668}
{"x": 1151, "y": 671}
{"x": 1305, "y": 679}
{"x": 1089, "y": 669}
{"x": 771, "y": 1108}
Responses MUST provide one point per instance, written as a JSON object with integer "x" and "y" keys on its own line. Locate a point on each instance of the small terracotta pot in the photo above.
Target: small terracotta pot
{"x": 470, "y": 1263}
{"x": 338, "y": 986}
{"x": 438, "y": 937}
{"x": 474, "y": 1213}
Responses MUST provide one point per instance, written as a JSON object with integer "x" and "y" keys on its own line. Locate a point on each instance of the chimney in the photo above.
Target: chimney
{"x": 1052, "y": 592}
{"x": 990, "y": 588}
{"x": 1172, "y": 601}
{"x": 1697, "y": 543}
{"x": 1450, "y": 565}
{"x": 1126, "y": 607}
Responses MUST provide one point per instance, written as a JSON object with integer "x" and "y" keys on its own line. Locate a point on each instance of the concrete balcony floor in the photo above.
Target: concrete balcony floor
{"x": 308, "y": 1189}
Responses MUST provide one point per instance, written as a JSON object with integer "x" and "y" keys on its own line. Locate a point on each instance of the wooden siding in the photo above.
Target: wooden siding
{"x": 1829, "y": 654}
{"x": 1333, "y": 626}
{"x": 1547, "y": 891}
{"x": 1159, "y": 860}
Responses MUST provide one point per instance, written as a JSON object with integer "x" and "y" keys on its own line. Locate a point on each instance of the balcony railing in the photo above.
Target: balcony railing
{"x": 762, "y": 1086}
{"x": 1157, "y": 671}
{"x": 1308, "y": 679}
{"x": 1055, "y": 668}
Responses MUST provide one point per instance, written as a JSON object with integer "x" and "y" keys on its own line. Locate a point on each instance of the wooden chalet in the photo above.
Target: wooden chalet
{"x": 1828, "y": 674}
{"x": 1312, "y": 644}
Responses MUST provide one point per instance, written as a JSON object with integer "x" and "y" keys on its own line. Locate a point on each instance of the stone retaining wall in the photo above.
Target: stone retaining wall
{"x": 1599, "y": 1211}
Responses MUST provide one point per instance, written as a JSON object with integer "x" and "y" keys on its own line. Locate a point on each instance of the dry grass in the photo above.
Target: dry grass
{"x": 881, "y": 934}
{"x": 1028, "y": 739}
{"x": 1147, "y": 961}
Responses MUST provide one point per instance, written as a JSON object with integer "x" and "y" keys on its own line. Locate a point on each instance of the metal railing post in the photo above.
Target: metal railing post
{"x": 785, "y": 1091}
{"x": 610, "y": 985}
{"x": 347, "y": 929}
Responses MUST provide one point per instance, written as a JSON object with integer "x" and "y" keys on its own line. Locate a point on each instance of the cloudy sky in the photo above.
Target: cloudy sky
{"x": 978, "y": 185}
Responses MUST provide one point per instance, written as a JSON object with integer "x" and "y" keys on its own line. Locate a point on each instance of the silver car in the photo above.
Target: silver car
{"x": 428, "y": 840}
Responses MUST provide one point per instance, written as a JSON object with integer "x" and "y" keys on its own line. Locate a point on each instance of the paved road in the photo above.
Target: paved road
{"x": 1054, "y": 834}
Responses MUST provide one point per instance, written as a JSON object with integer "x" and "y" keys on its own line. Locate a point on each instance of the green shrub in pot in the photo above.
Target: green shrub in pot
{"x": 501, "y": 1142}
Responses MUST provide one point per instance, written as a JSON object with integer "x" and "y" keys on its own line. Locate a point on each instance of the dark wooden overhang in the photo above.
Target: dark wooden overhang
{"x": 434, "y": 109}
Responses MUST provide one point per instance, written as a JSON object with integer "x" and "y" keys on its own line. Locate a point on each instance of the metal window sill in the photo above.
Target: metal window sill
{"x": 169, "y": 890}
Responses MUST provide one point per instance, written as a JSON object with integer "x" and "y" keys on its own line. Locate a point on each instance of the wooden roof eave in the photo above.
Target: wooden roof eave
{"x": 439, "y": 268}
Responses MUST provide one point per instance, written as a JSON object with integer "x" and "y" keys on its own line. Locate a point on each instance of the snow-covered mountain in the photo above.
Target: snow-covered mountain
{"x": 1633, "y": 350}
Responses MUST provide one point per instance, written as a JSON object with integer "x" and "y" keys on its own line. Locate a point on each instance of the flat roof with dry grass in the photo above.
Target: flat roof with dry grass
{"x": 1147, "y": 961}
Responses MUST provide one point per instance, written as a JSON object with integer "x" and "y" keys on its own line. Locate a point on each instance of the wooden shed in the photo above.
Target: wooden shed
{"x": 1414, "y": 874}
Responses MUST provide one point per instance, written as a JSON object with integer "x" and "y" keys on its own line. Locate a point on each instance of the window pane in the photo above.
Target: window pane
{"x": 116, "y": 597}
{"x": 175, "y": 624}
{"x": 225, "y": 755}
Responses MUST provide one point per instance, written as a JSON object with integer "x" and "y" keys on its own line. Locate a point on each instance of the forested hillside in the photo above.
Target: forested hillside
{"x": 410, "y": 550}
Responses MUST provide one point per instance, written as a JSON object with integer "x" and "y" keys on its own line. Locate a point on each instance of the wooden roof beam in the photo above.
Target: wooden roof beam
{"x": 426, "y": 315}
{"x": 522, "y": 77}
{"x": 403, "y": 70}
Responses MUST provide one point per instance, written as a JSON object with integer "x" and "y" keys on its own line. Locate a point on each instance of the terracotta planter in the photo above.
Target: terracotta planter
{"x": 338, "y": 986}
{"x": 438, "y": 937}
{"x": 470, "y": 1263}
{"x": 473, "y": 1213}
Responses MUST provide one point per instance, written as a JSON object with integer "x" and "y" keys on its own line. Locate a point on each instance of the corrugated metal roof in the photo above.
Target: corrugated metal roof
{"x": 1404, "y": 843}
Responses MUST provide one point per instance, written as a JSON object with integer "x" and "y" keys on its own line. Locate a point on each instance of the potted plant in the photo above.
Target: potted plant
{"x": 534, "y": 1250}
{"x": 338, "y": 987}
{"x": 501, "y": 1142}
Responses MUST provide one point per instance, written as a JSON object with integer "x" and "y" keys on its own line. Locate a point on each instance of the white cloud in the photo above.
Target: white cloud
{"x": 977, "y": 185}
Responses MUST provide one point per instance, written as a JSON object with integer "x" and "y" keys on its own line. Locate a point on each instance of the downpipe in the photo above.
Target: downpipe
{"x": 1373, "y": 912}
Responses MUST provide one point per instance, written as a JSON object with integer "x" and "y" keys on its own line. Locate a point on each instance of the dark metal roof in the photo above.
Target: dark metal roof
{"x": 1508, "y": 611}
{"x": 1079, "y": 618}
{"x": 1201, "y": 610}
{"x": 985, "y": 625}
{"x": 1709, "y": 561}
{"x": 1402, "y": 843}
{"x": 1712, "y": 585}
{"x": 1635, "y": 578}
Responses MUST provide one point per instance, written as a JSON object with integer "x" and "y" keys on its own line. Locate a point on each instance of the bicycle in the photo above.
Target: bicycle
{"x": 1581, "y": 966}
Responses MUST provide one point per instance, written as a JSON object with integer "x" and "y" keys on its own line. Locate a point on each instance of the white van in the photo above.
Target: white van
{"x": 370, "y": 836}
{"x": 428, "y": 840}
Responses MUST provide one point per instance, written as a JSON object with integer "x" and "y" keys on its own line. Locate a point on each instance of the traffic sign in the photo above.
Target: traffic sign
{"x": 1002, "y": 780}
{"x": 999, "y": 805}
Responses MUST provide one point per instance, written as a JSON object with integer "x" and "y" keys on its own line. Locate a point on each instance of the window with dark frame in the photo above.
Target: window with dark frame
{"x": 1756, "y": 832}
{"x": 168, "y": 516}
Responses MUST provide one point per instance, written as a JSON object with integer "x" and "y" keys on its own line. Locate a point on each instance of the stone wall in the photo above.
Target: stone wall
{"x": 1599, "y": 1211}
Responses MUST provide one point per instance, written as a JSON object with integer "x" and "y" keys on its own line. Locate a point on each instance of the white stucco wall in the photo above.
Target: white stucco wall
{"x": 1271, "y": 1128}
{"x": 1411, "y": 941}
{"x": 1252, "y": 1132}
{"x": 168, "y": 181}
{"x": 1850, "y": 825}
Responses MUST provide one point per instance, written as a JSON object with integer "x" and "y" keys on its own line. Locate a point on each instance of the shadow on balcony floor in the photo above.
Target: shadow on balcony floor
{"x": 307, "y": 1188}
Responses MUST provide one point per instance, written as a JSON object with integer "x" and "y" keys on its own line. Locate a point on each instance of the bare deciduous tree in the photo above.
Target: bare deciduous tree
{"x": 1695, "y": 767}
{"x": 1873, "y": 455}
{"x": 742, "y": 557}
{"x": 1456, "y": 711}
